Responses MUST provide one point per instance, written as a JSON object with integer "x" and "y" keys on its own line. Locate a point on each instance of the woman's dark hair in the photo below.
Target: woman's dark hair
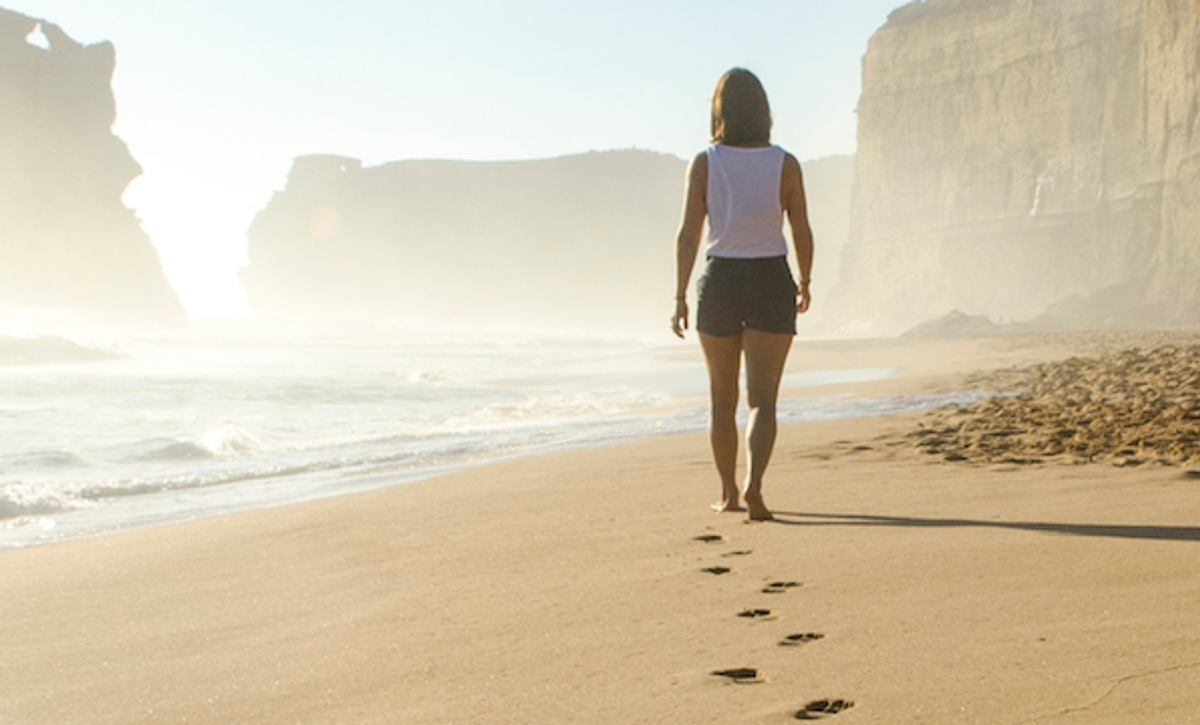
{"x": 741, "y": 115}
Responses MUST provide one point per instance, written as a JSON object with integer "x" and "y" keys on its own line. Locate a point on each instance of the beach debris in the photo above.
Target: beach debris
{"x": 717, "y": 570}
{"x": 709, "y": 538}
{"x": 779, "y": 587}
{"x": 1131, "y": 407}
{"x": 1129, "y": 461}
{"x": 740, "y": 552}
{"x": 818, "y": 709}
{"x": 755, "y": 613}
{"x": 740, "y": 675}
{"x": 1192, "y": 473}
{"x": 793, "y": 640}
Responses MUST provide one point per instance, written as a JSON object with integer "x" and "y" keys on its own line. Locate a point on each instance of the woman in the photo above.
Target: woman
{"x": 747, "y": 300}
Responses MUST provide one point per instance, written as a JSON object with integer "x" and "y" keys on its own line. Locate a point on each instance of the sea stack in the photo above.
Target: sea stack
{"x": 67, "y": 240}
{"x": 580, "y": 242}
{"x": 583, "y": 242}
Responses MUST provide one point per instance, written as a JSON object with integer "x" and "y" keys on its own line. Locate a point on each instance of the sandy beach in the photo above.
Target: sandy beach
{"x": 594, "y": 586}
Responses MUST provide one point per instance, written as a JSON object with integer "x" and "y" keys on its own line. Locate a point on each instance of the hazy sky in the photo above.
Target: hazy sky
{"x": 215, "y": 97}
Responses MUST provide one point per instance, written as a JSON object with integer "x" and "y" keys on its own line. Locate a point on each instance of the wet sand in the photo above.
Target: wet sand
{"x": 595, "y": 586}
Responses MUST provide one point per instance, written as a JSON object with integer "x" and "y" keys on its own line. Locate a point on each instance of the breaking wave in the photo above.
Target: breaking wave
{"x": 48, "y": 350}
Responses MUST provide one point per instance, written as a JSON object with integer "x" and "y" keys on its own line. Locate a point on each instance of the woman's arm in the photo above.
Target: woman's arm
{"x": 791, "y": 191}
{"x": 687, "y": 244}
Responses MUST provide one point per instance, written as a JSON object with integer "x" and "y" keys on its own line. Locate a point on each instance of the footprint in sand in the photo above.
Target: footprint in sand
{"x": 709, "y": 538}
{"x": 779, "y": 587}
{"x": 1192, "y": 473}
{"x": 795, "y": 640}
{"x": 718, "y": 570}
{"x": 818, "y": 709}
{"x": 755, "y": 614}
{"x": 740, "y": 675}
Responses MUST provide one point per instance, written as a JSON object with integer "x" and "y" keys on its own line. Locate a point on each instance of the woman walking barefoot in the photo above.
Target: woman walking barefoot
{"x": 747, "y": 300}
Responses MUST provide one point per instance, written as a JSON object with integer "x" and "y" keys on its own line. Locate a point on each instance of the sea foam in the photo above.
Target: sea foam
{"x": 190, "y": 423}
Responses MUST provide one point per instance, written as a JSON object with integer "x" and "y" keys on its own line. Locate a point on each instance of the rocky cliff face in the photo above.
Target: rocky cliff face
{"x": 66, "y": 238}
{"x": 582, "y": 242}
{"x": 1020, "y": 156}
{"x": 1171, "y": 57}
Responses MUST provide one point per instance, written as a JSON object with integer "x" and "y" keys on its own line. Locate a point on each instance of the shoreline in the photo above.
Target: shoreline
{"x": 878, "y": 377}
{"x": 101, "y": 509}
{"x": 798, "y": 405}
{"x": 571, "y": 587}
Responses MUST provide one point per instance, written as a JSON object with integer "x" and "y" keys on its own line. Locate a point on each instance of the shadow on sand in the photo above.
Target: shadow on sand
{"x": 1113, "y": 531}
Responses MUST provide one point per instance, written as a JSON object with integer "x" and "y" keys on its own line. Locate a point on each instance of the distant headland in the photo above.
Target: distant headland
{"x": 581, "y": 242}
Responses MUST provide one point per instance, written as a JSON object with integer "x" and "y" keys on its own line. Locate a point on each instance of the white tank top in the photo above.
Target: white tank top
{"x": 745, "y": 219}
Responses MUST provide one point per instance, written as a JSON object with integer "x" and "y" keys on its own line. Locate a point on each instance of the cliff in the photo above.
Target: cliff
{"x": 1023, "y": 157}
{"x": 1171, "y": 49}
{"x": 66, "y": 238}
{"x": 581, "y": 242}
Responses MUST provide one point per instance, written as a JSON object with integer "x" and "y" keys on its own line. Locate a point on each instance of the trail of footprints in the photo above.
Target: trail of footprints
{"x": 814, "y": 710}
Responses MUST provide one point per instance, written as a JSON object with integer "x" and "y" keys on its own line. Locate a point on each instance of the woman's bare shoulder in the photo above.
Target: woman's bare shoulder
{"x": 698, "y": 167}
{"x": 791, "y": 175}
{"x": 791, "y": 185}
{"x": 790, "y": 164}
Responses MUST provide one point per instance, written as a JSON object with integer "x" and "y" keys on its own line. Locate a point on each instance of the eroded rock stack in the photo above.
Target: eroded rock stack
{"x": 1023, "y": 156}
{"x": 1131, "y": 407}
{"x": 66, "y": 238}
{"x": 578, "y": 241}
{"x": 582, "y": 242}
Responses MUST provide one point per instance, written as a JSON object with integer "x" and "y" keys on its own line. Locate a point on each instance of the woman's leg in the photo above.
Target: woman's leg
{"x": 766, "y": 353}
{"x": 723, "y": 356}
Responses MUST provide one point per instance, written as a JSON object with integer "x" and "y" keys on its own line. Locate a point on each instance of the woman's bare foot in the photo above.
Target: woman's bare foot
{"x": 758, "y": 510}
{"x": 727, "y": 505}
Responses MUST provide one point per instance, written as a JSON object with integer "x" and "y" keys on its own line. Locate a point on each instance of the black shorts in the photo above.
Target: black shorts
{"x": 737, "y": 294}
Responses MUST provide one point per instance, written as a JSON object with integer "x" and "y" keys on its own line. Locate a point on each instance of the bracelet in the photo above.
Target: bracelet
{"x": 805, "y": 282}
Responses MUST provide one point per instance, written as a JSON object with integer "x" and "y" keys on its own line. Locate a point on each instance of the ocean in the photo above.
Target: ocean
{"x": 108, "y": 431}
